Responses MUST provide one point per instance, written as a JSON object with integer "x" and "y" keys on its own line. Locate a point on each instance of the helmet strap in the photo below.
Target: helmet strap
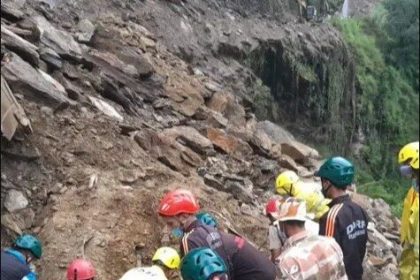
{"x": 291, "y": 190}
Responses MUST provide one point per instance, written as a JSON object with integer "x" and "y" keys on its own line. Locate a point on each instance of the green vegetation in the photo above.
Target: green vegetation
{"x": 386, "y": 52}
{"x": 264, "y": 103}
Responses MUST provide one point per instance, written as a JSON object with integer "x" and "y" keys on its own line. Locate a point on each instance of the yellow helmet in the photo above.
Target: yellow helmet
{"x": 410, "y": 153}
{"x": 168, "y": 257}
{"x": 285, "y": 181}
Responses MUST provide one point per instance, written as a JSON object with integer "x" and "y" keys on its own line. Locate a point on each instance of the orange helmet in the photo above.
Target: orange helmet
{"x": 178, "y": 202}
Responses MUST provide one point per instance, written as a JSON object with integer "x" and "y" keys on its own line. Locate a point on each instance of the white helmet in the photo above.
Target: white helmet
{"x": 144, "y": 273}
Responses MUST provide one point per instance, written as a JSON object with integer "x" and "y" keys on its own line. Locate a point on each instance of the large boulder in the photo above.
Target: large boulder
{"x": 227, "y": 143}
{"x": 226, "y": 104}
{"x": 36, "y": 85}
{"x": 276, "y": 133}
{"x": 169, "y": 152}
{"x": 298, "y": 152}
{"x": 25, "y": 49}
{"x": 191, "y": 138}
{"x": 58, "y": 40}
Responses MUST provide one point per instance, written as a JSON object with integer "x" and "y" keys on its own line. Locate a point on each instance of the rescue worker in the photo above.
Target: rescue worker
{"x": 178, "y": 208}
{"x": 16, "y": 262}
{"x": 276, "y": 237}
{"x": 289, "y": 184}
{"x": 203, "y": 264}
{"x": 408, "y": 158}
{"x": 81, "y": 269}
{"x": 166, "y": 262}
{"x": 305, "y": 255}
{"x": 345, "y": 221}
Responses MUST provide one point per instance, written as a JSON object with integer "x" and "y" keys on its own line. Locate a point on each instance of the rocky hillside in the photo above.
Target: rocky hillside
{"x": 108, "y": 104}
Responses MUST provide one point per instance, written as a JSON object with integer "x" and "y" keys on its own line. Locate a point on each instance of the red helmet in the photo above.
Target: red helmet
{"x": 273, "y": 207}
{"x": 80, "y": 269}
{"x": 178, "y": 202}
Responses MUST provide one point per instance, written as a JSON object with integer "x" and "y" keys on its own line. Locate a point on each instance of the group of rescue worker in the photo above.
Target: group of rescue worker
{"x": 314, "y": 233}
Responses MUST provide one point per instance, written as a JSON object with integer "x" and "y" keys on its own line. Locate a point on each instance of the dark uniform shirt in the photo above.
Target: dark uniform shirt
{"x": 12, "y": 268}
{"x": 347, "y": 223}
{"x": 244, "y": 261}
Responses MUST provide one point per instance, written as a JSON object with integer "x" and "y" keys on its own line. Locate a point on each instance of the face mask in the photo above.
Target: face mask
{"x": 325, "y": 191}
{"x": 406, "y": 171}
{"x": 177, "y": 232}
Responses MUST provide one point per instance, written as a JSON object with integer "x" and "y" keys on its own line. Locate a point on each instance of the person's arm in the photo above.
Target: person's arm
{"x": 329, "y": 224}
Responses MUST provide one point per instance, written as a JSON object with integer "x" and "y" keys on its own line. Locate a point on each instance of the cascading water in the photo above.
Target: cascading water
{"x": 345, "y": 9}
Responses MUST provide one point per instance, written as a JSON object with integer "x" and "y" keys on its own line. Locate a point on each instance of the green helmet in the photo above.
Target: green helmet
{"x": 207, "y": 219}
{"x": 201, "y": 264}
{"x": 338, "y": 170}
{"x": 30, "y": 243}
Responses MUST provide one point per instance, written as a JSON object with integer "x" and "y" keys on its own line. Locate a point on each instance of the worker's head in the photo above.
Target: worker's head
{"x": 286, "y": 183}
{"x": 178, "y": 208}
{"x": 292, "y": 216}
{"x": 81, "y": 269}
{"x": 408, "y": 158}
{"x": 336, "y": 174}
{"x": 203, "y": 264}
{"x": 29, "y": 246}
{"x": 168, "y": 259}
{"x": 207, "y": 219}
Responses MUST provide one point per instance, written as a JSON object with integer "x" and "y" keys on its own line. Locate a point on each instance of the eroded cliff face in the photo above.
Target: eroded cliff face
{"x": 297, "y": 73}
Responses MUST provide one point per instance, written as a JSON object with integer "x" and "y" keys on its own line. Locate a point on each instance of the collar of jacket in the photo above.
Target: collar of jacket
{"x": 295, "y": 239}
{"x": 192, "y": 226}
{"x": 339, "y": 199}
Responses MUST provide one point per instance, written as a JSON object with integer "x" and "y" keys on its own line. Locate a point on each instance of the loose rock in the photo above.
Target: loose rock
{"x": 15, "y": 200}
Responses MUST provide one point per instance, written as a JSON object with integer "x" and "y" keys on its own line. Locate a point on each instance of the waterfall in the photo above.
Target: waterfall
{"x": 345, "y": 9}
